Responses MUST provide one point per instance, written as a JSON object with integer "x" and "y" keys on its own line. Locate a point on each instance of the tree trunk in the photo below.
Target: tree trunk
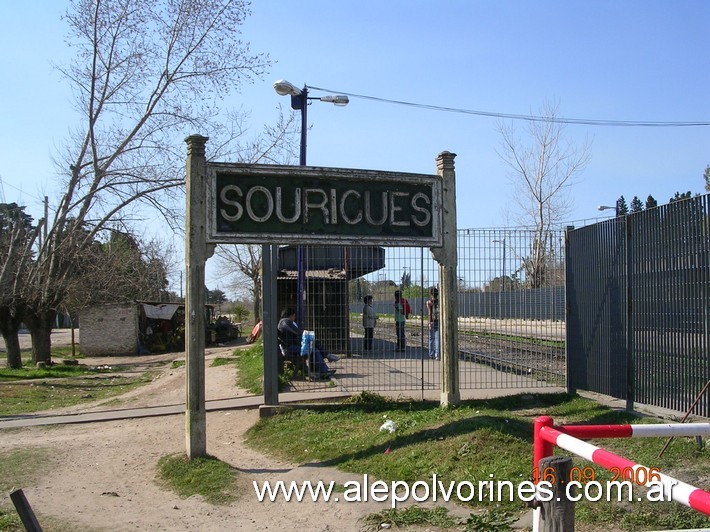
{"x": 9, "y": 325}
{"x": 40, "y": 326}
{"x": 12, "y": 344}
{"x": 257, "y": 300}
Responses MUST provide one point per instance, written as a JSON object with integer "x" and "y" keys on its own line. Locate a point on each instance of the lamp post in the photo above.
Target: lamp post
{"x": 299, "y": 102}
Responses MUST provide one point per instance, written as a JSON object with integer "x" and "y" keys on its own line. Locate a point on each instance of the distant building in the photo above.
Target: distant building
{"x": 133, "y": 328}
{"x": 110, "y": 329}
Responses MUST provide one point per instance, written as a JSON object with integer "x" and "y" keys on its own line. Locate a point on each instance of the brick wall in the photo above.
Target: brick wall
{"x": 109, "y": 330}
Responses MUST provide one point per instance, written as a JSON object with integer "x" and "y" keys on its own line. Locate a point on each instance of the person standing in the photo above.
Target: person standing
{"x": 400, "y": 319}
{"x": 432, "y": 306}
{"x": 369, "y": 320}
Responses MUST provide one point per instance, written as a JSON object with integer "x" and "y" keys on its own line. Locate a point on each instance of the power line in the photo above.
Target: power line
{"x": 22, "y": 192}
{"x": 529, "y": 118}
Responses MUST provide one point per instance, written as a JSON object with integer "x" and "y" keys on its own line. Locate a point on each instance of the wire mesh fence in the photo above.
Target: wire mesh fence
{"x": 510, "y": 304}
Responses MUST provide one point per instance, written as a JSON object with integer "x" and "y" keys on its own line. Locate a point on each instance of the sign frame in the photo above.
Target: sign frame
{"x": 326, "y": 177}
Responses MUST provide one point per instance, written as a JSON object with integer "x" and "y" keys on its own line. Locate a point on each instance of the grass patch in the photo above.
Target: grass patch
{"x": 208, "y": 477}
{"x": 23, "y": 467}
{"x": 472, "y": 442}
{"x": 413, "y": 515}
{"x": 9, "y": 520}
{"x": 21, "y": 398}
{"x": 222, "y": 361}
{"x": 64, "y": 351}
{"x": 50, "y": 372}
{"x": 18, "y": 469}
{"x": 250, "y": 368}
{"x": 177, "y": 364}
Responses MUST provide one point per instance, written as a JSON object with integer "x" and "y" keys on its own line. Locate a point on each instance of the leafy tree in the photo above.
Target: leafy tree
{"x": 621, "y": 208}
{"x": 17, "y": 236}
{"x": 121, "y": 269}
{"x": 636, "y": 205}
{"x": 706, "y": 176}
{"x": 651, "y": 202}
{"x": 406, "y": 280}
{"x": 501, "y": 284}
{"x": 680, "y": 196}
{"x": 240, "y": 312}
{"x": 215, "y": 297}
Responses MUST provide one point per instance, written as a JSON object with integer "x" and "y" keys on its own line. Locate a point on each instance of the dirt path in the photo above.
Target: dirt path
{"x": 104, "y": 477}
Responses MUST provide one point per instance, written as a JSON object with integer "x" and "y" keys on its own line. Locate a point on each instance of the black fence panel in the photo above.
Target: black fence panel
{"x": 596, "y": 301}
{"x": 637, "y": 293}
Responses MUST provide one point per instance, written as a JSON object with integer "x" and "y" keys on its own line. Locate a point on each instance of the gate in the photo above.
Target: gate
{"x": 637, "y": 292}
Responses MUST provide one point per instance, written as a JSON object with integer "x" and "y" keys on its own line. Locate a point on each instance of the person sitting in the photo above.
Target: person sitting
{"x": 289, "y": 337}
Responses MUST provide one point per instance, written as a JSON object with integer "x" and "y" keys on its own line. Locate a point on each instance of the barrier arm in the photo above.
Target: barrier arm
{"x": 546, "y": 436}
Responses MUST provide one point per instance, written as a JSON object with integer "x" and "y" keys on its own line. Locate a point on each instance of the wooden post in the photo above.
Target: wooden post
{"x": 447, "y": 258}
{"x": 24, "y": 510}
{"x": 557, "y": 514}
{"x": 195, "y": 258}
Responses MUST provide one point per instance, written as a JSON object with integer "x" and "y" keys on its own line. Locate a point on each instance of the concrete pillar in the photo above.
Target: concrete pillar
{"x": 447, "y": 258}
{"x": 195, "y": 258}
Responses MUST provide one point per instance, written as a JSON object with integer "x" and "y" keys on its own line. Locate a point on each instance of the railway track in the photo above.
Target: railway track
{"x": 521, "y": 355}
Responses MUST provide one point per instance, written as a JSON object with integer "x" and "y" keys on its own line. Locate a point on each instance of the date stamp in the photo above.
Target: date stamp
{"x": 639, "y": 475}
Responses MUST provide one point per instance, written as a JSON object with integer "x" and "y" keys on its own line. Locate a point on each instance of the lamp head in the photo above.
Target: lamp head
{"x": 604, "y": 207}
{"x": 284, "y": 88}
{"x": 340, "y": 100}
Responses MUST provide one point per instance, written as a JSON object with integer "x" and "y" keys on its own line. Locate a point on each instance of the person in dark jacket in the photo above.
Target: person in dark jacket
{"x": 289, "y": 336}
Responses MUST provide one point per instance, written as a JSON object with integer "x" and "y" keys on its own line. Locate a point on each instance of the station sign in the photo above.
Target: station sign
{"x": 275, "y": 204}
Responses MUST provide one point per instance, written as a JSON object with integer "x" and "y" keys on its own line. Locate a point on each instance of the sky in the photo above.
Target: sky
{"x": 636, "y": 60}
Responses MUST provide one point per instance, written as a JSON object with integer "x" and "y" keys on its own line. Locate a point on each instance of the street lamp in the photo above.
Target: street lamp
{"x": 606, "y": 208}
{"x": 299, "y": 102}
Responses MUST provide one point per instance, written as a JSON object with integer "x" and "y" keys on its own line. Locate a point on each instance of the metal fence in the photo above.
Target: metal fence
{"x": 511, "y": 312}
{"x": 637, "y": 291}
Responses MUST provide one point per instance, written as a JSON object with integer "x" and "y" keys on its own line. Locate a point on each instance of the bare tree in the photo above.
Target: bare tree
{"x": 145, "y": 72}
{"x": 541, "y": 168}
{"x": 242, "y": 265}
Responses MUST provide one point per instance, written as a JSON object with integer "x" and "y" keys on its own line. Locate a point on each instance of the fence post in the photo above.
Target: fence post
{"x": 629, "y": 333}
{"x": 556, "y": 514}
{"x": 570, "y": 382}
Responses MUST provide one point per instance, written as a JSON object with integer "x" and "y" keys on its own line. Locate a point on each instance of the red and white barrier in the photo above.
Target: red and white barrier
{"x": 567, "y": 437}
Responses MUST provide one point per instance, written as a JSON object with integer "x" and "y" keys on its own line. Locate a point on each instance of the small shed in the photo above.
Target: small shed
{"x": 109, "y": 330}
{"x": 141, "y": 328}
